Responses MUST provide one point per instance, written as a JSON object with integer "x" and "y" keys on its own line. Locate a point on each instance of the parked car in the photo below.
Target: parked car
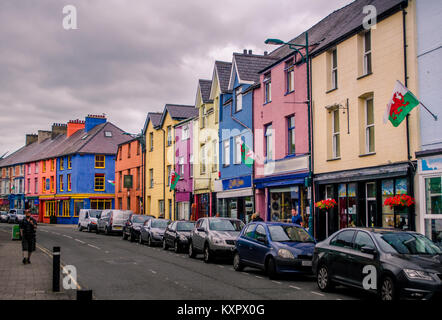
{"x": 88, "y": 219}
{"x": 177, "y": 235}
{"x": 275, "y": 248}
{"x": 15, "y": 215}
{"x": 390, "y": 263}
{"x": 153, "y": 230}
{"x": 12, "y": 218}
{"x": 112, "y": 221}
{"x": 4, "y": 216}
{"x": 133, "y": 225}
{"x": 214, "y": 237}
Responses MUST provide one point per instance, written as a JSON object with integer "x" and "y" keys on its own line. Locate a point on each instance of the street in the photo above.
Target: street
{"x": 117, "y": 269}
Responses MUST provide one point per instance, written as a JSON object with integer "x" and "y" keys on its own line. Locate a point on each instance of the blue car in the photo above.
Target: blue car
{"x": 275, "y": 248}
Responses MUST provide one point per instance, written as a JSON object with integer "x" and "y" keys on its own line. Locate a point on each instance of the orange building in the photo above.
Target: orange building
{"x": 129, "y": 176}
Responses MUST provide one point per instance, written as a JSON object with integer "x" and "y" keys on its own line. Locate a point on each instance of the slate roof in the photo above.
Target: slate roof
{"x": 249, "y": 65}
{"x": 205, "y": 86}
{"x": 223, "y": 70}
{"x": 340, "y": 25}
{"x": 155, "y": 117}
{"x": 179, "y": 112}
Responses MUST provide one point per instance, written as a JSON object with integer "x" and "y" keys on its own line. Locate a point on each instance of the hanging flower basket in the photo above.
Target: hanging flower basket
{"x": 399, "y": 201}
{"x": 326, "y": 204}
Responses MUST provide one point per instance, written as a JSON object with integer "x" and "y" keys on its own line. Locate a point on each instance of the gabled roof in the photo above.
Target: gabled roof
{"x": 221, "y": 73}
{"x": 247, "y": 67}
{"x": 178, "y": 112}
{"x": 155, "y": 117}
{"x": 204, "y": 88}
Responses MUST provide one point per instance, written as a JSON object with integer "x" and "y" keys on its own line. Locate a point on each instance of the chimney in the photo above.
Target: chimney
{"x": 31, "y": 138}
{"x": 43, "y": 135}
{"x": 94, "y": 120}
{"x": 250, "y": 51}
{"x": 58, "y": 128}
{"x": 245, "y": 51}
{"x": 74, "y": 126}
{"x": 266, "y": 53}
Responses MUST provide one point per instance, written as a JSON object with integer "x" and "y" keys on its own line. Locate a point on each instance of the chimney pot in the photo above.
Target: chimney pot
{"x": 266, "y": 53}
{"x": 250, "y": 51}
{"x": 245, "y": 51}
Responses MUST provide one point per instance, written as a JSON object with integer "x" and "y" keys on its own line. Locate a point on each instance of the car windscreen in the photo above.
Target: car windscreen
{"x": 94, "y": 213}
{"x": 225, "y": 225}
{"x": 406, "y": 243}
{"x": 160, "y": 224}
{"x": 185, "y": 226}
{"x": 287, "y": 233}
{"x": 140, "y": 218}
{"x": 124, "y": 215}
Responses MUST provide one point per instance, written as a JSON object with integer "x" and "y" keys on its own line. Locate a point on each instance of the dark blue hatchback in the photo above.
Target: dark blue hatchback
{"x": 275, "y": 248}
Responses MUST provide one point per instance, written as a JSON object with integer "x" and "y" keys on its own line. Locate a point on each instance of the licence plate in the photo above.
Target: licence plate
{"x": 306, "y": 263}
{"x": 117, "y": 228}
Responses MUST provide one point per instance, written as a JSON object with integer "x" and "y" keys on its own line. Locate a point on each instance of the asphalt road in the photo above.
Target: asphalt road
{"x": 117, "y": 269}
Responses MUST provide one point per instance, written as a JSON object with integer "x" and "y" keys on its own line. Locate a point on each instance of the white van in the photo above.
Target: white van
{"x": 88, "y": 219}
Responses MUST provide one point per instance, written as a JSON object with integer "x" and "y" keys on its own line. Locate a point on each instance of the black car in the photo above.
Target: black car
{"x": 177, "y": 235}
{"x": 391, "y": 263}
{"x": 133, "y": 225}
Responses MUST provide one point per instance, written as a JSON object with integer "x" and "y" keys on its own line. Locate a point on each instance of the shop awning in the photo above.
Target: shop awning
{"x": 247, "y": 192}
{"x": 277, "y": 181}
{"x": 372, "y": 173}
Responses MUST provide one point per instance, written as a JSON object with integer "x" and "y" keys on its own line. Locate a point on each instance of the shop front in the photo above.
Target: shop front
{"x": 204, "y": 205}
{"x": 183, "y": 205}
{"x": 4, "y": 204}
{"x": 430, "y": 194}
{"x": 32, "y": 204}
{"x": 235, "y": 199}
{"x": 360, "y": 195}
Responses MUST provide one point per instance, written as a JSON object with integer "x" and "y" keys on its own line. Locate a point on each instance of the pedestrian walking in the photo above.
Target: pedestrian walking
{"x": 28, "y": 228}
{"x": 296, "y": 218}
{"x": 256, "y": 217}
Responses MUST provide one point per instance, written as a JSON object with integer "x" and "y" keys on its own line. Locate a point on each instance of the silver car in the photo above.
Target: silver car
{"x": 112, "y": 221}
{"x": 214, "y": 237}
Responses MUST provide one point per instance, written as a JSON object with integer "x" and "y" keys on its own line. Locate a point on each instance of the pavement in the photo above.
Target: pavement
{"x": 26, "y": 282}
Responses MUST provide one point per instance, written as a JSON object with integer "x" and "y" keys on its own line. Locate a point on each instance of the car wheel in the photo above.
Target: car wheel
{"x": 237, "y": 265}
{"x": 80, "y": 228}
{"x": 323, "y": 279}
{"x": 89, "y": 228}
{"x": 207, "y": 254}
{"x": 176, "y": 247}
{"x": 192, "y": 253}
{"x": 387, "y": 289}
{"x": 165, "y": 246}
{"x": 271, "y": 269}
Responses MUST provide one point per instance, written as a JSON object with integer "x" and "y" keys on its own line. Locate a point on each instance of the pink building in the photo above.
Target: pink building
{"x": 281, "y": 140}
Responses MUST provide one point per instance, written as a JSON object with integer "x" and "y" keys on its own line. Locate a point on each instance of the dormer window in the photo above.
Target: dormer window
{"x": 108, "y": 134}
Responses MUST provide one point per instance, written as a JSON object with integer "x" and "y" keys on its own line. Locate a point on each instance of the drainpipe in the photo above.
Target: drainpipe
{"x": 164, "y": 172}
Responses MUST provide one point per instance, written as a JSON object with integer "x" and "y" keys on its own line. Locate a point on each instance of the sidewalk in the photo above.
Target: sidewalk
{"x": 26, "y": 282}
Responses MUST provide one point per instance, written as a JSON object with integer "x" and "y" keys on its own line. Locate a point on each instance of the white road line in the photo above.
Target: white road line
{"x": 154, "y": 272}
{"x": 317, "y": 293}
{"x": 220, "y": 266}
{"x": 44, "y": 231}
{"x": 338, "y": 299}
{"x": 93, "y": 246}
{"x": 277, "y": 282}
{"x": 67, "y": 236}
{"x": 297, "y": 288}
{"x": 258, "y": 277}
{"x": 80, "y": 241}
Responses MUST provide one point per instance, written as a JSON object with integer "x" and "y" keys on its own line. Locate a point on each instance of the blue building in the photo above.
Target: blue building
{"x": 429, "y": 177}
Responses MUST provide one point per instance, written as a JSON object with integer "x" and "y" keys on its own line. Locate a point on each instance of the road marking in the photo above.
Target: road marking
{"x": 297, "y": 288}
{"x": 338, "y": 299}
{"x": 259, "y": 277}
{"x": 93, "y": 246}
{"x": 154, "y": 272}
{"x": 106, "y": 252}
{"x": 44, "y": 231}
{"x": 317, "y": 293}
{"x": 277, "y": 282}
{"x": 220, "y": 266}
{"x": 67, "y": 236}
{"x": 80, "y": 241}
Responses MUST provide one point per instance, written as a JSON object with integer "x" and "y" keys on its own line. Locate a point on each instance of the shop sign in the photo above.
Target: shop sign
{"x": 431, "y": 164}
{"x": 237, "y": 183}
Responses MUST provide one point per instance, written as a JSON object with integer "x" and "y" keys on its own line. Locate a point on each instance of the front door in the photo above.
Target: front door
{"x": 371, "y": 204}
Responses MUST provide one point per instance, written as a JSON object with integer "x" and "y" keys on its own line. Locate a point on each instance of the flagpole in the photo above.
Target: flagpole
{"x": 434, "y": 116}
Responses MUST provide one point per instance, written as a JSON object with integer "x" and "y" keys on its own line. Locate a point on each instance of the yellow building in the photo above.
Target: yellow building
{"x": 205, "y": 150}
{"x": 160, "y": 157}
{"x": 358, "y": 159}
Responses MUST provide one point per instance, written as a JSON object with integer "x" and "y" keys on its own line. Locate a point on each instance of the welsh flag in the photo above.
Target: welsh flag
{"x": 112, "y": 182}
{"x": 246, "y": 155}
{"x": 174, "y": 177}
{"x": 401, "y": 103}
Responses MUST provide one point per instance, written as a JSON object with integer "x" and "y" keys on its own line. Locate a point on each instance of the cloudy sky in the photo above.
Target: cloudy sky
{"x": 127, "y": 57}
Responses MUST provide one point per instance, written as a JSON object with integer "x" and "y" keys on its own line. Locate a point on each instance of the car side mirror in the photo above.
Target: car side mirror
{"x": 368, "y": 250}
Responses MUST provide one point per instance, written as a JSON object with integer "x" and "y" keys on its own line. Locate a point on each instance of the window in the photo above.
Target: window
{"x": 29, "y": 169}
{"x": 369, "y": 126}
{"x": 334, "y": 69}
{"x": 268, "y": 142}
{"x": 151, "y": 141}
{"x": 343, "y": 239}
{"x": 108, "y": 134}
{"x": 61, "y": 163}
{"x": 185, "y": 133}
{"x": 367, "y": 52}
{"x": 69, "y": 162}
{"x": 214, "y": 156}
{"x": 170, "y": 208}
{"x": 203, "y": 117}
{"x": 101, "y": 204}
{"x": 99, "y": 161}
{"x": 336, "y": 143}
{"x": 66, "y": 208}
{"x": 248, "y": 232}
{"x": 169, "y": 135}
{"x": 52, "y": 184}
{"x": 138, "y": 178}
{"x": 260, "y": 232}
{"x": 203, "y": 159}
{"x": 43, "y": 185}
{"x": 290, "y": 76}
{"x": 363, "y": 240}
{"x": 267, "y": 88}
{"x": 238, "y": 97}
{"x": 128, "y": 203}
{"x": 191, "y": 165}
{"x": 161, "y": 207}
{"x": 291, "y": 134}
{"x": 181, "y": 166}
{"x": 44, "y": 166}
{"x": 151, "y": 178}
{"x": 36, "y": 167}
{"x": 36, "y": 185}
{"x": 169, "y": 172}
{"x": 237, "y": 157}
{"x": 226, "y": 153}
{"x": 29, "y": 185}
{"x": 120, "y": 203}
{"x": 61, "y": 183}
{"x": 99, "y": 182}
{"x": 120, "y": 181}
{"x": 120, "y": 153}
{"x": 138, "y": 148}
{"x": 69, "y": 182}
{"x": 52, "y": 164}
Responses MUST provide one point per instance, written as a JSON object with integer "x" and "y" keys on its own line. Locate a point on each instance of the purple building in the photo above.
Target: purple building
{"x": 184, "y": 167}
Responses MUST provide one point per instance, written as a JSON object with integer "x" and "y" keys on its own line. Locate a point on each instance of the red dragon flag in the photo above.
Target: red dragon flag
{"x": 401, "y": 103}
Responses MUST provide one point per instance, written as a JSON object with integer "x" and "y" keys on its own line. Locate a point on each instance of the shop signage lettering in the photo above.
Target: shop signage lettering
{"x": 237, "y": 183}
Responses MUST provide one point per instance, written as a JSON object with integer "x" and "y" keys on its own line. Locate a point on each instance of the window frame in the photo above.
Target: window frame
{"x": 226, "y": 154}
{"x": 291, "y": 129}
{"x": 99, "y": 161}
{"x": 99, "y": 176}
{"x": 268, "y": 140}
{"x": 369, "y": 126}
{"x": 267, "y": 82}
{"x": 238, "y": 99}
{"x": 290, "y": 76}
{"x": 366, "y": 54}
{"x": 336, "y": 135}
{"x": 334, "y": 68}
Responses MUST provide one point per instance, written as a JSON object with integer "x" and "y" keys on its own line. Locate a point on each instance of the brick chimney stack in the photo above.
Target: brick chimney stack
{"x": 43, "y": 135}
{"x": 74, "y": 126}
{"x": 31, "y": 138}
{"x": 58, "y": 128}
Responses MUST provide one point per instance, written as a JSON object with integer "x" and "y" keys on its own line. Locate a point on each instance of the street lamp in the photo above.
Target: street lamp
{"x": 305, "y": 58}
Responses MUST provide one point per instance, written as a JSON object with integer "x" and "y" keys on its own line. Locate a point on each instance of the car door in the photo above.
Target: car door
{"x": 338, "y": 256}
{"x": 200, "y": 235}
{"x": 85, "y": 221}
{"x": 245, "y": 241}
{"x": 259, "y": 248}
{"x": 363, "y": 264}
{"x": 169, "y": 235}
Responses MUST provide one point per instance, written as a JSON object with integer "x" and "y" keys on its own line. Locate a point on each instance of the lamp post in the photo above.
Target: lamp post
{"x": 305, "y": 57}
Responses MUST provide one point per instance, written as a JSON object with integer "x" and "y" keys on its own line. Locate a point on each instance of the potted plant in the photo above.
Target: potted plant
{"x": 326, "y": 205}
{"x": 400, "y": 200}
